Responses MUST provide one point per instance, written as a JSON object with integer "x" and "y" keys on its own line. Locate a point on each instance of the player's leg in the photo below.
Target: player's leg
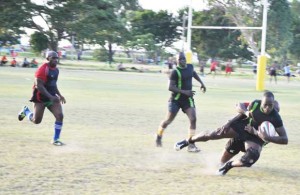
{"x": 247, "y": 160}
{"x": 191, "y": 113}
{"x": 56, "y": 110}
{"x": 173, "y": 108}
{"x": 205, "y": 136}
{"x": 38, "y": 112}
{"x": 36, "y": 116}
{"x": 232, "y": 148}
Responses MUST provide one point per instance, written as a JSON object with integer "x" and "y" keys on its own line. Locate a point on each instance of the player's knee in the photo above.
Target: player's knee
{"x": 37, "y": 120}
{"x": 59, "y": 117}
{"x": 250, "y": 157}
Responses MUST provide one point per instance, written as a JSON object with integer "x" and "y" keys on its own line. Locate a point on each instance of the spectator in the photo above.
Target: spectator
{"x": 3, "y": 60}
{"x": 228, "y": 68}
{"x": 25, "y": 63}
{"x": 13, "y": 63}
{"x": 273, "y": 72}
{"x": 79, "y": 53}
{"x": 213, "y": 67}
{"x": 64, "y": 54}
{"x": 34, "y": 63}
{"x": 121, "y": 67}
{"x": 287, "y": 71}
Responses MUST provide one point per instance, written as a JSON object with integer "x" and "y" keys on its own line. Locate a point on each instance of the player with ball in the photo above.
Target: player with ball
{"x": 245, "y": 127}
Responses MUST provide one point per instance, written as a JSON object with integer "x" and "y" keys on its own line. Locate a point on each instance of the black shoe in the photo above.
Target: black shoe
{"x": 225, "y": 168}
{"x": 158, "y": 141}
{"x": 57, "y": 142}
{"x": 182, "y": 144}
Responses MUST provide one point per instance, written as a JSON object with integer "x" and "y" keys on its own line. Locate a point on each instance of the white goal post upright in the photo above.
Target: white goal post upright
{"x": 261, "y": 59}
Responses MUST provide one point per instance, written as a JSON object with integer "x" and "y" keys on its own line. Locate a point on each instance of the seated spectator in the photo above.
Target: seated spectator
{"x": 13, "y": 63}
{"x": 34, "y": 63}
{"x": 121, "y": 67}
{"x": 3, "y": 60}
{"x": 25, "y": 63}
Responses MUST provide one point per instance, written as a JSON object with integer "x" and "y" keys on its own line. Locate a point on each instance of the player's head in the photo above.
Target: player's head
{"x": 52, "y": 57}
{"x": 267, "y": 102}
{"x": 181, "y": 59}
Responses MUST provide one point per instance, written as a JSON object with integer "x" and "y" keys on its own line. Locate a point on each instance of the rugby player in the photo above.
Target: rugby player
{"x": 236, "y": 145}
{"x": 46, "y": 95}
{"x": 180, "y": 84}
{"x": 244, "y": 127}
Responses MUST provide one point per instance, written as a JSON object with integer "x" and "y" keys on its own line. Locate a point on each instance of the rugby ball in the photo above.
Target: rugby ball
{"x": 268, "y": 128}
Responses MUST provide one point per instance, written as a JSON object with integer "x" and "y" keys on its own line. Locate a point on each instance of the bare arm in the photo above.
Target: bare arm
{"x": 202, "y": 88}
{"x": 280, "y": 139}
{"x": 62, "y": 98}
{"x": 242, "y": 109}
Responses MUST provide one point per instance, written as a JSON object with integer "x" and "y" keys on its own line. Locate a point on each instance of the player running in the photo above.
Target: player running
{"x": 46, "y": 95}
{"x": 180, "y": 84}
{"x": 244, "y": 127}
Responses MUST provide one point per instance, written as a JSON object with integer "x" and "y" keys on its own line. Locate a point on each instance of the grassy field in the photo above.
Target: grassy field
{"x": 109, "y": 127}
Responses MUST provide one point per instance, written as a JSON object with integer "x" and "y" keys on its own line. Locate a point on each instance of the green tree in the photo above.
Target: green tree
{"x": 217, "y": 43}
{"x": 38, "y": 42}
{"x": 103, "y": 24}
{"x": 294, "y": 48}
{"x": 279, "y": 35}
{"x": 10, "y": 27}
{"x": 244, "y": 13}
{"x": 161, "y": 26}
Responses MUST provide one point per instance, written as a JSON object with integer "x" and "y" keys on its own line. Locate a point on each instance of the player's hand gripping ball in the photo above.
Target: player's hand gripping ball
{"x": 268, "y": 128}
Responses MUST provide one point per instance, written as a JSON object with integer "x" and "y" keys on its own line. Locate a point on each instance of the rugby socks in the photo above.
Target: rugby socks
{"x": 57, "y": 130}
{"x": 28, "y": 113}
{"x": 191, "y": 133}
{"x": 160, "y": 131}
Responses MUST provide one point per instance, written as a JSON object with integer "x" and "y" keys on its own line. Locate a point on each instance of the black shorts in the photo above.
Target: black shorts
{"x": 239, "y": 127}
{"x": 175, "y": 105}
{"x": 273, "y": 73}
{"x": 37, "y": 97}
{"x": 234, "y": 146}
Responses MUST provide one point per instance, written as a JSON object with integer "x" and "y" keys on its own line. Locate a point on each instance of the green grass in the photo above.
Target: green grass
{"x": 109, "y": 126}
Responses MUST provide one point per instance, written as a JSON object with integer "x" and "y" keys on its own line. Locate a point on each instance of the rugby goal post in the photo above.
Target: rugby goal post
{"x": 261, "y": 59}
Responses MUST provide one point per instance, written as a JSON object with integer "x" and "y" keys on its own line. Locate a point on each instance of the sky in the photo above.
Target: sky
{"x": 171, "y": 5}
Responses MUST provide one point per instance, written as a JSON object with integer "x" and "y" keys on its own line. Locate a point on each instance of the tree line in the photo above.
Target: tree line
{"x": 128, "y": 25}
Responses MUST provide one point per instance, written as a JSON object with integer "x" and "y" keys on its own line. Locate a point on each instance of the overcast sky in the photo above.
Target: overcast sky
{"x": 155, "y": 5}
{"x": 171, "y": 5}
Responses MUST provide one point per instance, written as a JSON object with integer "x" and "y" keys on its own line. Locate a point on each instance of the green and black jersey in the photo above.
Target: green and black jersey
{"x": 257, "y": 116}
{"x": 183, "y": 79}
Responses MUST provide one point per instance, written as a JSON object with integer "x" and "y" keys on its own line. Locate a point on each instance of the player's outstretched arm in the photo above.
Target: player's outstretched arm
{"x": 280, "y": 139}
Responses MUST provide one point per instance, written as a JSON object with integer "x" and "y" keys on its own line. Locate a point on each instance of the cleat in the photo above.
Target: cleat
{"x": 22, "y": 114}
{"x": 57, "y": 143}
{"x": 225, "y": 168}
{"x": 179, "y": 145}
{"x": 193, "y": 148}
{"x": 158, "y": 141}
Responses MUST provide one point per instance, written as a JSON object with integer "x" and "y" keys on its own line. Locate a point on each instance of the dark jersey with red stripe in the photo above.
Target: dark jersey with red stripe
{"x": 183, "y": 79}
{"x": 49, "y": 75}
